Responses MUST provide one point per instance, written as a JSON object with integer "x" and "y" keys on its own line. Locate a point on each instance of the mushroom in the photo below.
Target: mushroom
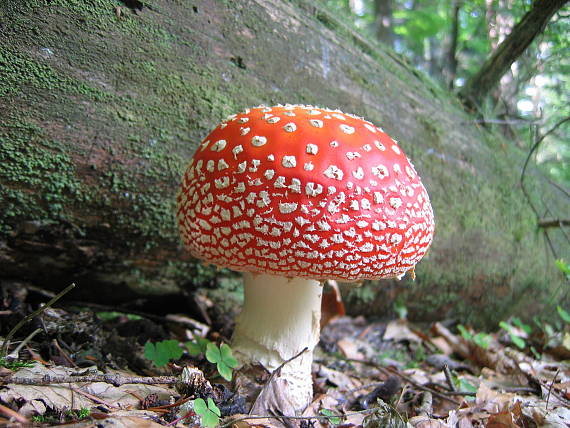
{"x": 291, "y": 196}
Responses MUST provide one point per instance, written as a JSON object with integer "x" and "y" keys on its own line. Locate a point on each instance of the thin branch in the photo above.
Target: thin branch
{"x": 113, "y": 379}
{"x": 449, "y": 378}
{"x": 305, "y": 418}
{"x": 556, "y": 222}
{"x": 533, "y": 149}
{"x": 31, "y": 316}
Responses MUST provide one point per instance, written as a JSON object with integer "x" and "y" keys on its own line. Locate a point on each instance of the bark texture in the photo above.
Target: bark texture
{"x": 507, "y": 52}
{"x": 101, "y": 107}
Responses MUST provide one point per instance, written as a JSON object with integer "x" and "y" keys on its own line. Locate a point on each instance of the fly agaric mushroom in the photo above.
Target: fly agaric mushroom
{"x": 293, "y": 195}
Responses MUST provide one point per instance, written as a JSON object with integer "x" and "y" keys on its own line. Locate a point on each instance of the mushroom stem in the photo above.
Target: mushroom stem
{"x": 280, "y": 317}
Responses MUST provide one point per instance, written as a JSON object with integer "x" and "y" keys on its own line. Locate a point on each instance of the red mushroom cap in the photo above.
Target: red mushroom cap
{"x": 301, "y": 191}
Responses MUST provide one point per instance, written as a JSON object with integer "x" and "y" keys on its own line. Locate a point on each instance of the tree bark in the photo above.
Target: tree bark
{"x": 453, "y": 39}
{"x": 383, "y": 21}
{"x": 507, "y": 52}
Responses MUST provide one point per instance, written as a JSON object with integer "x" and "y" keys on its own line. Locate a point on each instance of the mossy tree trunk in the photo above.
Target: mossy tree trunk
{"x": 102, "y": 106}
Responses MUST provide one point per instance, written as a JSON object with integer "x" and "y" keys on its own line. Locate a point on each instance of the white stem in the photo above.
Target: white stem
{"x": 280, "y": 318}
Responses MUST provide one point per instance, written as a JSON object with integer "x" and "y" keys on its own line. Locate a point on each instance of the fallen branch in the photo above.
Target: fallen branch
{"x": 113, "y": 379}
{"x": 547, "y": 223}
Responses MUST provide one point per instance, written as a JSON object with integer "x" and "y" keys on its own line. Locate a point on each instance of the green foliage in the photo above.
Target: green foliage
{"x": 209, "y": 412}
{"x": 112, "y": 315}
{"x": 331, "y": 417}
{"x": 198, "y": 346}
{"x": 483, "y": 340}
{"x": 463, "y": 384}
{"x": 515, "y": 338}
{"x": 563, "y": 314}
{"x": 223, "y": 359}
{"x": 400, "y": 309}
{"x": 82, "y": 413}
{"x": 162, "y": 352}
{"x": 15, "y": 365}
{"x": 563, "y": 267}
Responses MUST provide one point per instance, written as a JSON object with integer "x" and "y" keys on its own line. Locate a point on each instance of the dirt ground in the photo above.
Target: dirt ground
{"x": 85, "y": 365}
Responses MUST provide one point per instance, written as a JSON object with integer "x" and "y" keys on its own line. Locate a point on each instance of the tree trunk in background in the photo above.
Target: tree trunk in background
{"x": 451, "y": 63}
{"x": 507, "y": 52}
{"x": 383, "y": 21}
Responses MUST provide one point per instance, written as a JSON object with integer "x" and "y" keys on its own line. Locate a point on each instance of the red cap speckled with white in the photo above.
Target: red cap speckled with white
{"x": 301, "y": 191}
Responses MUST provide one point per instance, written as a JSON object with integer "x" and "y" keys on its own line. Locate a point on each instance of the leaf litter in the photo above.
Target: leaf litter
{"x": 366, "y": 374}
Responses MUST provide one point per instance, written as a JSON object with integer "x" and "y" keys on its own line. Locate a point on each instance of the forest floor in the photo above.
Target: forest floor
{"x": 90, "y": 367}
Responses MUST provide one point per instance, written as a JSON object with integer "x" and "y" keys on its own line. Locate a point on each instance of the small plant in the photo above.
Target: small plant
{"x": 563, "y": 314}
{"x": 82, "y": 413}
{"x": 401, "y": 310}
{"x": 208, "y": 412}
{"x": 223, "y": 359}
{"x": 198, "y": 346}
{"x": 162, "y": 352}
{"x": 564, "y": 267}
{"x": 331, "y": 417}
{"x": 15, "y": 365}
{"x": 483, "y": 340}
{"x": 515, "y": 338}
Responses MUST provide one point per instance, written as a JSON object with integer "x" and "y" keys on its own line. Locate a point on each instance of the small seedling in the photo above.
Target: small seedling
{"x": 162, "y": 352}
{"x": 209, "y": 413}
{"x": 223, "y": 359}
{"x": 198, "y": 346}
{"x": 524, "y": 327}
{"x": 563, "y": 266}
{"x": 331, "y": 417}
{"x": 517, "y": 340}
{"x": 401, "y": 310}
{"x": 15, "y": 365}
{"x": 82, "y": 413}
{"x": 464, "y": 385}
{"x": 563, "y": 314}
{"x": 483, "y": 340}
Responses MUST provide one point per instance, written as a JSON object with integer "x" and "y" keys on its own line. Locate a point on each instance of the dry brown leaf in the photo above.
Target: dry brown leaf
{"x": 399, "y": 331}
{"x": 69, "y": 396}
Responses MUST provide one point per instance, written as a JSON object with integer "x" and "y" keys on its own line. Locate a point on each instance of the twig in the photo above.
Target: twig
{"x": 345, "y": 415}
{"x": 276, "y": 372}
{"x": 550, "y": 387}
{"x": 24, "y": 342}
{"x": 93, "y": 398}
{"x": 406, "y": 378}
{"x": 31, "y": 316}
{"x": 449, "y": 378}
{"x": 13, "y": 414}
{"x": 557, "y": 222}
{"x": 113, "y": 379}
{"x": 530, "y": 153}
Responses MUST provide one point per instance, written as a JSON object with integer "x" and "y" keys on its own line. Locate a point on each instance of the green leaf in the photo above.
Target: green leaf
{"x": 518, "y": 341}
{"x": 563, "y": 314}
{"x": 200, "y": 406}
{"x": 213, "y": 408}
{"x": 524, "y": 327}
{"x": 224, "y": 371}
{"x": 482, "y": 340}
{"x": 209, "y": 413}
{"x": 162, "y": 352}
{"x": 223, "y": 359}
{"x": 332, "y": 418}
{"x": 198, "y": 346}
{"x": 464, "y": 332}
{"x": 213, "y": 353}
{"x": 563, "y": 266}
{"x": 227, "y": 356}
